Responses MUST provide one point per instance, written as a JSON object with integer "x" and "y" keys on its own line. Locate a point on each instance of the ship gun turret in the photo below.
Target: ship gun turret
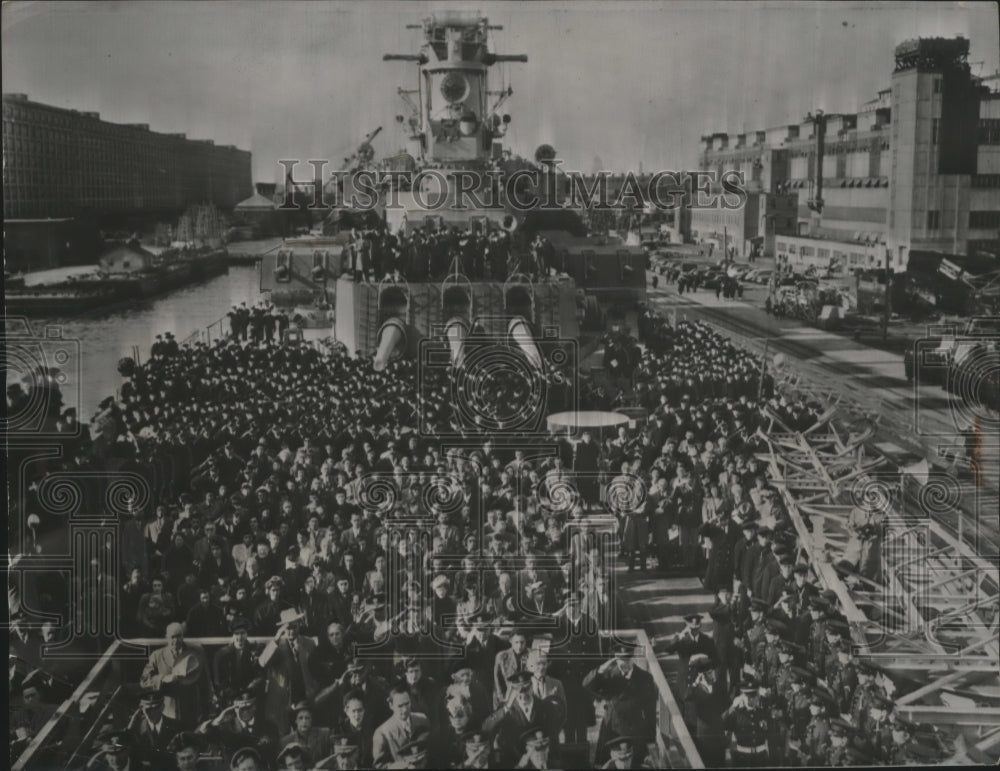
{"x": 519, "y": 308}
{"x": 393, "y": 307}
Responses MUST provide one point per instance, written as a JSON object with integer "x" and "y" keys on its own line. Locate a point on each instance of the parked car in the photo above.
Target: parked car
{"x": 763, "y": 276}
{"x": 713, "y": 280}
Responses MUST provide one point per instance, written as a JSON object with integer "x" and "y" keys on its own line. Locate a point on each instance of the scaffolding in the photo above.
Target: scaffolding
{"x": 928, "y": 613}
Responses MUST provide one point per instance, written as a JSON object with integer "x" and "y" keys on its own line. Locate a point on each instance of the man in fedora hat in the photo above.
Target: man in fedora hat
{"x": 180, "y": 671}
{"x": 285, "y": 658}
{"x": 239, "y": 727}
{"x": 151, "y": 729}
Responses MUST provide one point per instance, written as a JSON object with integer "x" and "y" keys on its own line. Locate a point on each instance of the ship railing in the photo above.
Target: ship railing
{"x": 109, "y": 693}
{"x": 217, "y": 330}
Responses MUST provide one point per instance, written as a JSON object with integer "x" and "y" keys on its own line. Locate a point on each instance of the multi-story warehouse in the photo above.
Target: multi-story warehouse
{"x": 915, "y": 170}
{"x": 64, "y": 163}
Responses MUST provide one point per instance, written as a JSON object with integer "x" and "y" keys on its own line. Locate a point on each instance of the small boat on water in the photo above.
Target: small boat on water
{"x": 60, "y": 300}
{"x": 125, "y": 273}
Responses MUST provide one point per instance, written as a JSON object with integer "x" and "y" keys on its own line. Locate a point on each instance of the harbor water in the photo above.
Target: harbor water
{"x": 86, "y": 349}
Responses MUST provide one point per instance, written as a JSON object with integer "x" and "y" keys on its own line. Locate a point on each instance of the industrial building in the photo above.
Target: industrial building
{"x": 63, "y": 163}
{"x": 917, "y": 169}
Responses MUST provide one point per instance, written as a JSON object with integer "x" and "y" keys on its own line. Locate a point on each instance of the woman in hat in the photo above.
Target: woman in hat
{"x": 314, "y": 739}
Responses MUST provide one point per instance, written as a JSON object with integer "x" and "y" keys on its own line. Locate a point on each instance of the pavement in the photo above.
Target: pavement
{"x": 920, "y": 419}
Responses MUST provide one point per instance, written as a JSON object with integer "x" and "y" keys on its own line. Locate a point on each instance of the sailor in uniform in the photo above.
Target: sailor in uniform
{"x": 345, "y": 755}
{"x": 115, "y": 753}
{"x": 536, "y": 750}
{"x": 840, "y": 734}
{"x": 477, "y": 751}
{"x": 622, "y": 751}
{"x": 747, "y": 723}
{"x": 686, "y": 644}
{"x": 814, "y": 746}
{"x": 865, "y": 693}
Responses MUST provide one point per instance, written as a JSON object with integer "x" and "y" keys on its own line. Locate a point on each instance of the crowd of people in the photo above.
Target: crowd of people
{"x": 423, "y": 606}
{"x": 425, "y": 253}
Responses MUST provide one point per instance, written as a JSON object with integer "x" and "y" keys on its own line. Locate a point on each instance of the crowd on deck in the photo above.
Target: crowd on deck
{"x": 424, "y": 253}
{"x": 420, "y": 606}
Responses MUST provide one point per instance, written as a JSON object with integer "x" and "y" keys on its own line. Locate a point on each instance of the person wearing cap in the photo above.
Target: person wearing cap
{"x": 630, "y": 708}
{"x": 521, "y": 711}
{"x": 247, "y": 759}
{"x": 285, "y": 660}
{"x": 476, "y": 751}
{"x": 181, "y": 672}
{"x": 115, "y": 752}
{"x": 580, "y": 645}
{"x": 746, "y": 555}
{"x": 902, "y": 740}
{"x": 151, "y": 730}
{"x": 877, "y": 726}
{"x": 865, "y": 693}
{"x": 537, "y": 747}
{"x": 401, "y": 728}
{"x": 687, "y": 643}
{"x": 747, "y": 722}
{"x": 236, "y": 665}
{"x": 345, "y": 755}
{"x": 240, "y": 726}
{"x": 359, "y": 678}
{"x": 810, "y": 750}
{"x": 314, "y": 739}
{"x": 840, "y": 734}
{"x": 413, "y": 754}
{"x": 843, "y": 676}
{"x": 767, "y": 566}
{"x": 703, "y": 706}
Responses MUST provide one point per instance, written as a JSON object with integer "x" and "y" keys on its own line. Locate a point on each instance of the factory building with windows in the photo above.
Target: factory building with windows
{"x": 917, "y": 169}
{"x": 61, "y": 163}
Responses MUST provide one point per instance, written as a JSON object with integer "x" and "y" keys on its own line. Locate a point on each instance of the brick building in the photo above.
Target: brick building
{"x": 65, "y": 163}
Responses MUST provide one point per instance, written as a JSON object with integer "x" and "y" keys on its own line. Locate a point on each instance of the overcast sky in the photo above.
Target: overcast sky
{"x": 628, "y": 83}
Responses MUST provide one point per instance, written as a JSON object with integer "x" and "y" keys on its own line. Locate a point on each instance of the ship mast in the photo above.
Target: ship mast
{"x": 452, "y": 124}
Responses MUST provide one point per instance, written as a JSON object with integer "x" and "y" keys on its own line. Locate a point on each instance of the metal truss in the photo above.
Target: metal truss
{"x": 927, "y": 612}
